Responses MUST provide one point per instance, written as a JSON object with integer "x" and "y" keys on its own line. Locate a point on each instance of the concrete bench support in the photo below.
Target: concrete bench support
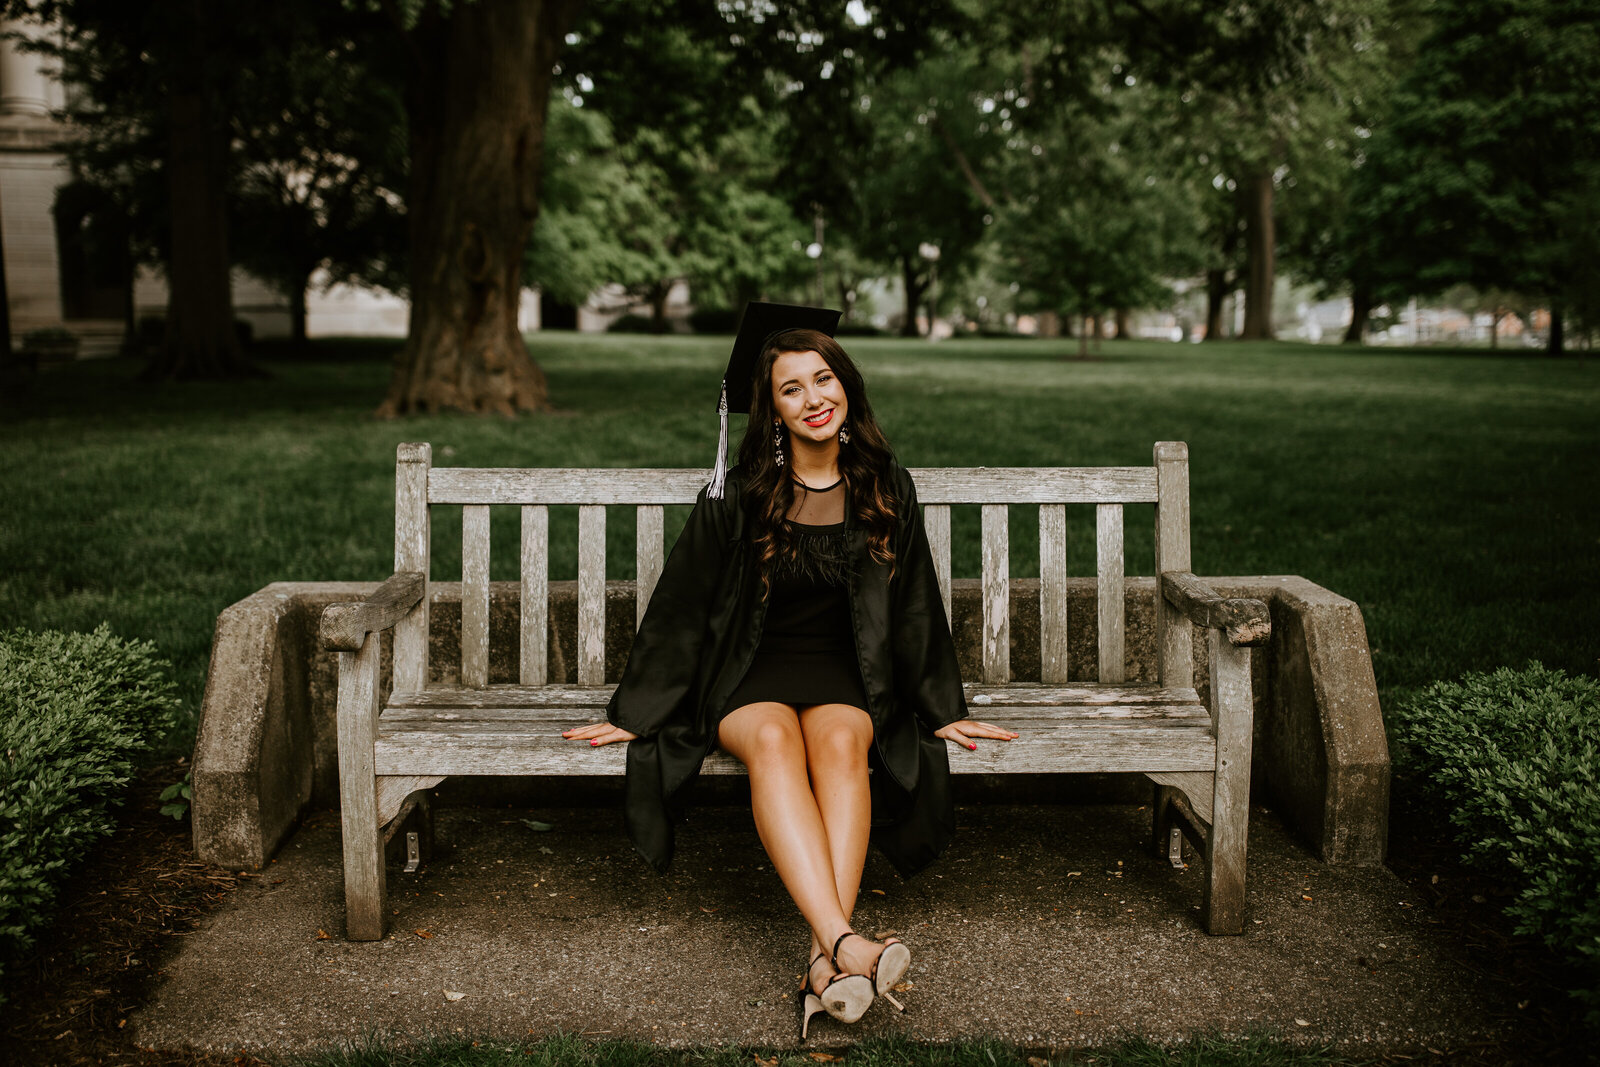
{"x": 268, "y": 748}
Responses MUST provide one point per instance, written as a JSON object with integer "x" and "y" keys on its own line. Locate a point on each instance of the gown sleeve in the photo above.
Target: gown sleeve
{"x": 662, "y": 665}
{"x": 927, "y": 676}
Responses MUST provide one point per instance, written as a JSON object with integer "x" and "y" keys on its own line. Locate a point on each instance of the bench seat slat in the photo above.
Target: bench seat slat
{"x": 1033, "y": 717}
{"x": 1017, "y": 694}
{"x": 429, "y": 752}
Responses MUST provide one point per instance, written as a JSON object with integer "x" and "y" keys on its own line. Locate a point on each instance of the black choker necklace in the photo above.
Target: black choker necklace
{"x": 815, "y": 489}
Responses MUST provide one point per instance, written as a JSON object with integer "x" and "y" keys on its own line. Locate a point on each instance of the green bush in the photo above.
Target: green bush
{"x": 75, "y": 710}
{"x": 1515, "y": 755}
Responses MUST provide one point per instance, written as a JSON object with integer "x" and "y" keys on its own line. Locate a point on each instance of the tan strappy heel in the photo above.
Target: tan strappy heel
{"x": 846, "y": 997}
{"x": 893, "y": 963}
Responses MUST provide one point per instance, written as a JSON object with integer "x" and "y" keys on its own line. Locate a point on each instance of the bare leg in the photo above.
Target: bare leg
{"x": 766, "y": 737}
{"x": 837, "y": 737}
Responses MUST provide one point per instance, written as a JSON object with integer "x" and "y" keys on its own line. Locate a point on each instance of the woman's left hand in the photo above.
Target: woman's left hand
{"x": 962, "y": 732}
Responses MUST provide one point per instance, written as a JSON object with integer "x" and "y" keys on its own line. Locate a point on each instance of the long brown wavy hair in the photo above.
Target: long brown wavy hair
{"x": 864, "y": 463}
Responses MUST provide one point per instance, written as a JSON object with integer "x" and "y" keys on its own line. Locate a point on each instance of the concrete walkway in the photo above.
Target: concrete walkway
{"x": 1046, "y": 926}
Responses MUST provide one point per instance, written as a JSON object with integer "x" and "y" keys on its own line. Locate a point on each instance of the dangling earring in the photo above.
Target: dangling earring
{"x": 844, "y": 433}
{"x": 777, "y": 441}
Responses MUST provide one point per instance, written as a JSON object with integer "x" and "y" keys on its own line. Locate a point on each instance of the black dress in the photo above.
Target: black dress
{"x": 807, "y": 653}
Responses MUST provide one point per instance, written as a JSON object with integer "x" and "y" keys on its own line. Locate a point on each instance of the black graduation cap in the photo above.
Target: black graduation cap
{"x": 756, "y": 327}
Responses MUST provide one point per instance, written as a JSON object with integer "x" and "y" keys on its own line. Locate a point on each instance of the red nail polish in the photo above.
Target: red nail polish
{"x": 595, "y": 742}
{"x": 973, "y": 747}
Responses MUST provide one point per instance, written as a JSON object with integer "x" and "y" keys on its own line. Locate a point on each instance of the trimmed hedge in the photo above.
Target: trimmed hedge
{"x": 1516, "y": 757}
{"x": 75, "y": 710}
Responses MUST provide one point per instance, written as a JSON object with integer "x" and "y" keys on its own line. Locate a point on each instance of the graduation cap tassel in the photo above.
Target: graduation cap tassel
{"x": 719, "y": 473}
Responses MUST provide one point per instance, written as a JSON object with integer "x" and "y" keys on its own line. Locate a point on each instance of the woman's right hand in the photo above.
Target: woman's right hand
{"x": 598, "y": 733}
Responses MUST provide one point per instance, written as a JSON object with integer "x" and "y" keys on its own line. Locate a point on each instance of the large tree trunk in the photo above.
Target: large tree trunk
{"x": 1216, "y": 294}
{"x": 915, "y": 287}
{"x": 297, "y": 318}
{"x": 1261, "y": 251}
{"x": 1554, "y": 346}
{"x": 476, "y": 104}
{"x": 1121, "y": 315}
{"x": 1360, "y": 312}
{"x": 658, "y": 306}
{"x": 200, "y": 341}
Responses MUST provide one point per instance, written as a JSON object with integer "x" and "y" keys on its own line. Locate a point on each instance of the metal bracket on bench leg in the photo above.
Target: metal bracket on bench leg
{"x": 414, "y": 852}
{"x": 1175, "y": 848}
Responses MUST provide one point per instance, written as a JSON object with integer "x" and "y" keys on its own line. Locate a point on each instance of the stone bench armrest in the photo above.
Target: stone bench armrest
{"x": 1245, "y": 621}
{"x": 346, "y": 626}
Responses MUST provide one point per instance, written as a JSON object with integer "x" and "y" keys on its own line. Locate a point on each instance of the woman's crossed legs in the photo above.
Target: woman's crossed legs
{"x": 813, "y": 811}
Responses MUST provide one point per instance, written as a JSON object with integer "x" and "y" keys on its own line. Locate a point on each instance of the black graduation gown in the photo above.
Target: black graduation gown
{"x": 701, "y": 630}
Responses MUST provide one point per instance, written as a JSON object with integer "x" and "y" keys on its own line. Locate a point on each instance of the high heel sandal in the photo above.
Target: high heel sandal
{"x": 846, "y": 997}
{"x": 891, "y": 965}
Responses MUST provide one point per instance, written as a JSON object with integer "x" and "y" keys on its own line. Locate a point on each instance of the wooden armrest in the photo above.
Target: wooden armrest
{"x": 1244, "y": 621}
{"x": 346, "y": 626}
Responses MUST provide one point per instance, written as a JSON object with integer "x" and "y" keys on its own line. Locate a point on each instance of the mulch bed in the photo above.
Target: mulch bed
{"x": 67, "y": 1001}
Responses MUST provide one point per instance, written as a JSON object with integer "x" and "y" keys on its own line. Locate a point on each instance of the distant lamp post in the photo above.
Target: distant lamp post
{"x": 814, "y": 250}
{"x": 930, "y": 252}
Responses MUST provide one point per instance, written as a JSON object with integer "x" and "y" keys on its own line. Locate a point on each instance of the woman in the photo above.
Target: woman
{"x": 798, "y": 624}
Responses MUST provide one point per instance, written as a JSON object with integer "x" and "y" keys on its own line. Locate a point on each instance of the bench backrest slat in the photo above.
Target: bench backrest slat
{"x": 1109, "y": 589}
{"x": 412, "y": 546}
{"x": 936, "y": 521}
{"x": 1053, "y": 593}
{"x": 996, "y": 595}
{"x": 535, "y": 594}
{"x": 475, "y": 596}
{"x": 1174, "y": 633}
{"x": 648, "y": 553}
{"x": 591, "y": 594}
{"x": 648, "y": 490}
{"x": 1035, "y": 485}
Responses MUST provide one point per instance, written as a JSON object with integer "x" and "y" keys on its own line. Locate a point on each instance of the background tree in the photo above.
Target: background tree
{"x": 1488, "y": 144}
{"x": 320, "y": 164}
{"x": 1257, "y": 89}
{"x": 160, "y": 78}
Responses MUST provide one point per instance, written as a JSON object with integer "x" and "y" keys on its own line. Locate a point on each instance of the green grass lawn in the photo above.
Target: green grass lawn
{"x": 1454, "y": 496}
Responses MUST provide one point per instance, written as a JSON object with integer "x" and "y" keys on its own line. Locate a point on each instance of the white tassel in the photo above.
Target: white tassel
{"x": 719, "y": 473}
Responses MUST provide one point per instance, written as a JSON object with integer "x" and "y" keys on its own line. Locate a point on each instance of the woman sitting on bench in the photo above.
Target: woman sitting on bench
{"x": 798, "y": 623}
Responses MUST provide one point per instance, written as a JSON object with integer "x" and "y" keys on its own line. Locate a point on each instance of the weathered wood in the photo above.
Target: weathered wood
{"x": 1198, "y": 754}
{"x": 357, "y": 728}
{"x": 394, "y": 789}
{"x": 492, "y": 718}
{"x": 1109, "y": 590}
{"x": 1035, "y": 485}
{"x": 1174, "y": 651}
{"x": 935, "y": 485}
{"x": 591, "y": 595}
{"x": 1223, "y": 903}
{"x": 1245, "y": 621}
{"x": 412, "y": 546}
{"x": 996, "y": 595}
{"x": 556, "y": 485}
{"x": 534, "y": 661}
{"x": 475, "y": 596}
{"x": 1198, "y": 786}
{"x": 979, "y": 695}
{"x": 539, "y": 749}
{"x": 936, "y": 520}
{"x": 1053, "y": 593}
{"x": 345, "y": 626}
{"x": 650, "y": 531}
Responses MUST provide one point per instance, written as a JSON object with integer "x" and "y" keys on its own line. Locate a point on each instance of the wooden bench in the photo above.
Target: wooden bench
{"x": 1198, "y": 754}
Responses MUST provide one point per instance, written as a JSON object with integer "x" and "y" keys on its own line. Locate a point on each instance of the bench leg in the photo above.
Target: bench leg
{"x": 1161, "y": 821}
{"x": 364, "y": 889}
{"x": 1223, "y": 905}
